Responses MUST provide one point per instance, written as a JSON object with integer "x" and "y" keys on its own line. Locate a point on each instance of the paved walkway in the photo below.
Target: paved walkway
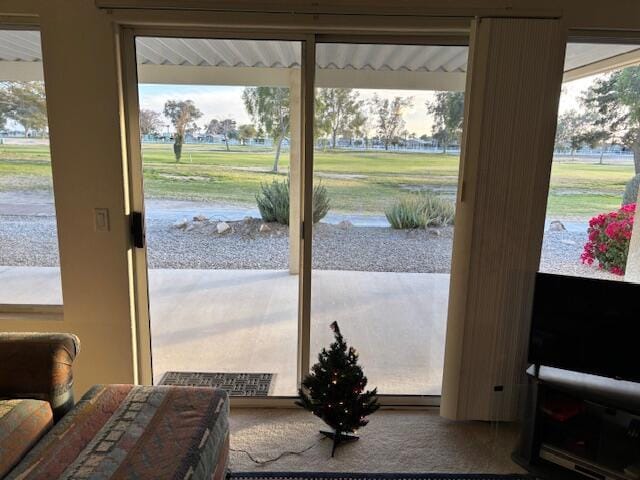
{"x": 39, "y": 203}
{"x": 30, "y": 285}
{"x": 246, "y": 321}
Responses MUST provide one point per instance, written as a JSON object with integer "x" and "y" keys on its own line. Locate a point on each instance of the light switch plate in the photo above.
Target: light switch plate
{"x": 101, "y": 218}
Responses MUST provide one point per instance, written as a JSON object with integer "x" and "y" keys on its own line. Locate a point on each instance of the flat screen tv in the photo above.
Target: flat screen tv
{"x": 586, "y": 325}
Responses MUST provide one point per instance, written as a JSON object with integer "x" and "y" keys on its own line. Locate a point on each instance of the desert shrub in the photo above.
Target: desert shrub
{"x": 321, "y": 203}
{"x": 420, "y": 211}
{"x": 609, "y": 237}
{"x": 405, "y": 213}
{"x": 273, "y": 202}
{"x": 631, "y": 191}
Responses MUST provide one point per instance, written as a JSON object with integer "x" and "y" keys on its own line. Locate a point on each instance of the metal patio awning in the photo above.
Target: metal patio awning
{"x": 266, "y": 62}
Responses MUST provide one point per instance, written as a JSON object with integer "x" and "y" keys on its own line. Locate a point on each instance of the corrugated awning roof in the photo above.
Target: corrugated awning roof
{"x": 280, "y": 54}
{"x": 20, "y": 46}
{"x": 581, "y": 58}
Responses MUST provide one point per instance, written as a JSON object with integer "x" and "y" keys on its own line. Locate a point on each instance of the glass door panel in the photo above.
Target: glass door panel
{"x": 216, "y": 117}
{"x": 388, "y": 126}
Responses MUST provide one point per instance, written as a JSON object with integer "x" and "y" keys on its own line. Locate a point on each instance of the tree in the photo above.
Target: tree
{"x": 149, "y": 122}
{"x": 226, "y": 128}
{"x": 182, "y": 115}
{"x": 576, "y": 129}
{"x": 442, "y": 139}
{"x": 571, "y": 131}
{"x": 5, "y": 103}
{"x": 563, "y": 130}
{"x": 269, "y": 108}
{"x": 27, "y": 105}
{"x": 246, "y": 132}
{"x": 334, "y": 391}
{"x": 390, "y": 123}
{"x": 616, "y": 100}
{"x": 368, "y": 126}
{"x": 448, "y": 113}
{"x": 596, "y": 137}
{"x": 339, "y": 112}
{"x": 596, "y": 134}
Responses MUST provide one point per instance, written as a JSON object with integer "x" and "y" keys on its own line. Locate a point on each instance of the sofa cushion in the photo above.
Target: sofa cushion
{"x": 22, "y": 424}
{"x": 126, "y": 431}
{"x": 38, "y": 366}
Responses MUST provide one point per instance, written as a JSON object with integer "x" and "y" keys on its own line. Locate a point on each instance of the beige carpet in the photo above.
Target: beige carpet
{"x": 394, "y": 441}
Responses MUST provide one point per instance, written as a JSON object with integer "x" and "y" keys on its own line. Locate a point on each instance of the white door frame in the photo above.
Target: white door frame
{"x": 135, "y": 193}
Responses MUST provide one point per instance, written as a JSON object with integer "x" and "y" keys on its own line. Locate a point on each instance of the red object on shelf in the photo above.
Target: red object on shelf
{"x": 562, "y": 409}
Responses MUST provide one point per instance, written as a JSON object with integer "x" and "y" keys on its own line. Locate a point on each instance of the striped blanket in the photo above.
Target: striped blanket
{"x": 125, "y": 431}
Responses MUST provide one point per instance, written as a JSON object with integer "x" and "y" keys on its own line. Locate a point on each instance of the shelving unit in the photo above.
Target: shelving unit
{"x": 580, "y": 426}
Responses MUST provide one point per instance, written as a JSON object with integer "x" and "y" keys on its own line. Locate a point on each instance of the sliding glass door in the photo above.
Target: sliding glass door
{"x": 215, "y": 121}
{"x": 237, "y": 138}
{"x": 388, "y": 125}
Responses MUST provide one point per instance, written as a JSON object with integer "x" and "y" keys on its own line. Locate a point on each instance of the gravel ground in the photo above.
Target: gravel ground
{"x": 31, "y": 240}
{"x": 373, "y": 249}
{"x": 28, "y": 241}
{"x": 561, "y": 254}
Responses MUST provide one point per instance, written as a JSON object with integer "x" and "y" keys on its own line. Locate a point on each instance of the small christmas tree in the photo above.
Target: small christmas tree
{"x": 334, "y": 391}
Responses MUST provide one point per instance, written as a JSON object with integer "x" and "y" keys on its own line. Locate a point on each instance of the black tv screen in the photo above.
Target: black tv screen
{"x": 586, "y": 325}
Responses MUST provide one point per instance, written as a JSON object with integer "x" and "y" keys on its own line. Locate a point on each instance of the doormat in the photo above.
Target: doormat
{"x": 235, "y": 384}
{"x": 371, "y": 476}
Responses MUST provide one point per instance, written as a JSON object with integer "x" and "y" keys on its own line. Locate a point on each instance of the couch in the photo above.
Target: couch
{"x": 114, "y": 431}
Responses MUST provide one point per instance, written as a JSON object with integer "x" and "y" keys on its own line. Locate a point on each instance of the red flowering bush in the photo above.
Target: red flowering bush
{"x": 609, "y": 236}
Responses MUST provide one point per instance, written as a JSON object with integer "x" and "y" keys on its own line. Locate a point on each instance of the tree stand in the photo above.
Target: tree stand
{"x": 338, "y": 438}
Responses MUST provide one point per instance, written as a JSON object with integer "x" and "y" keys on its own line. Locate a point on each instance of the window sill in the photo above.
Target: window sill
{"x": 31, "y": 312}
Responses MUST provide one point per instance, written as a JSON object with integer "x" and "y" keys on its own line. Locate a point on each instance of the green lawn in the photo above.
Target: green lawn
{"x": 356, "y": 181}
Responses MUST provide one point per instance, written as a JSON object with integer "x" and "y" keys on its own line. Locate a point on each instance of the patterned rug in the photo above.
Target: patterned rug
{"x": 370, "y": 476}
{"x": 235, "y": 384}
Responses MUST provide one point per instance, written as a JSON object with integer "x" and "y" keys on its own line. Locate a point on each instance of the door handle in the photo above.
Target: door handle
{"x": 137, "y": 229}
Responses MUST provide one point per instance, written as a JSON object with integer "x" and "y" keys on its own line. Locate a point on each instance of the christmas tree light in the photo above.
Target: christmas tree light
{"x": 338, "y": 380}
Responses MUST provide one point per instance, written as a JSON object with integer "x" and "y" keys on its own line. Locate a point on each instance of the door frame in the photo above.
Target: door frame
{"x": 134, "y": 191}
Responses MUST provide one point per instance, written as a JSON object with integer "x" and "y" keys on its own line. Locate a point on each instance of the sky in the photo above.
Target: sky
{"x": 221, "y": 102}
{"x": 571, "y": 91}
{"x": 226, "y": 102}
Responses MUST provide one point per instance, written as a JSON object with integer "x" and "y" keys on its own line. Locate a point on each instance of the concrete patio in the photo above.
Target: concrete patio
{"x": 246, "y": 321}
